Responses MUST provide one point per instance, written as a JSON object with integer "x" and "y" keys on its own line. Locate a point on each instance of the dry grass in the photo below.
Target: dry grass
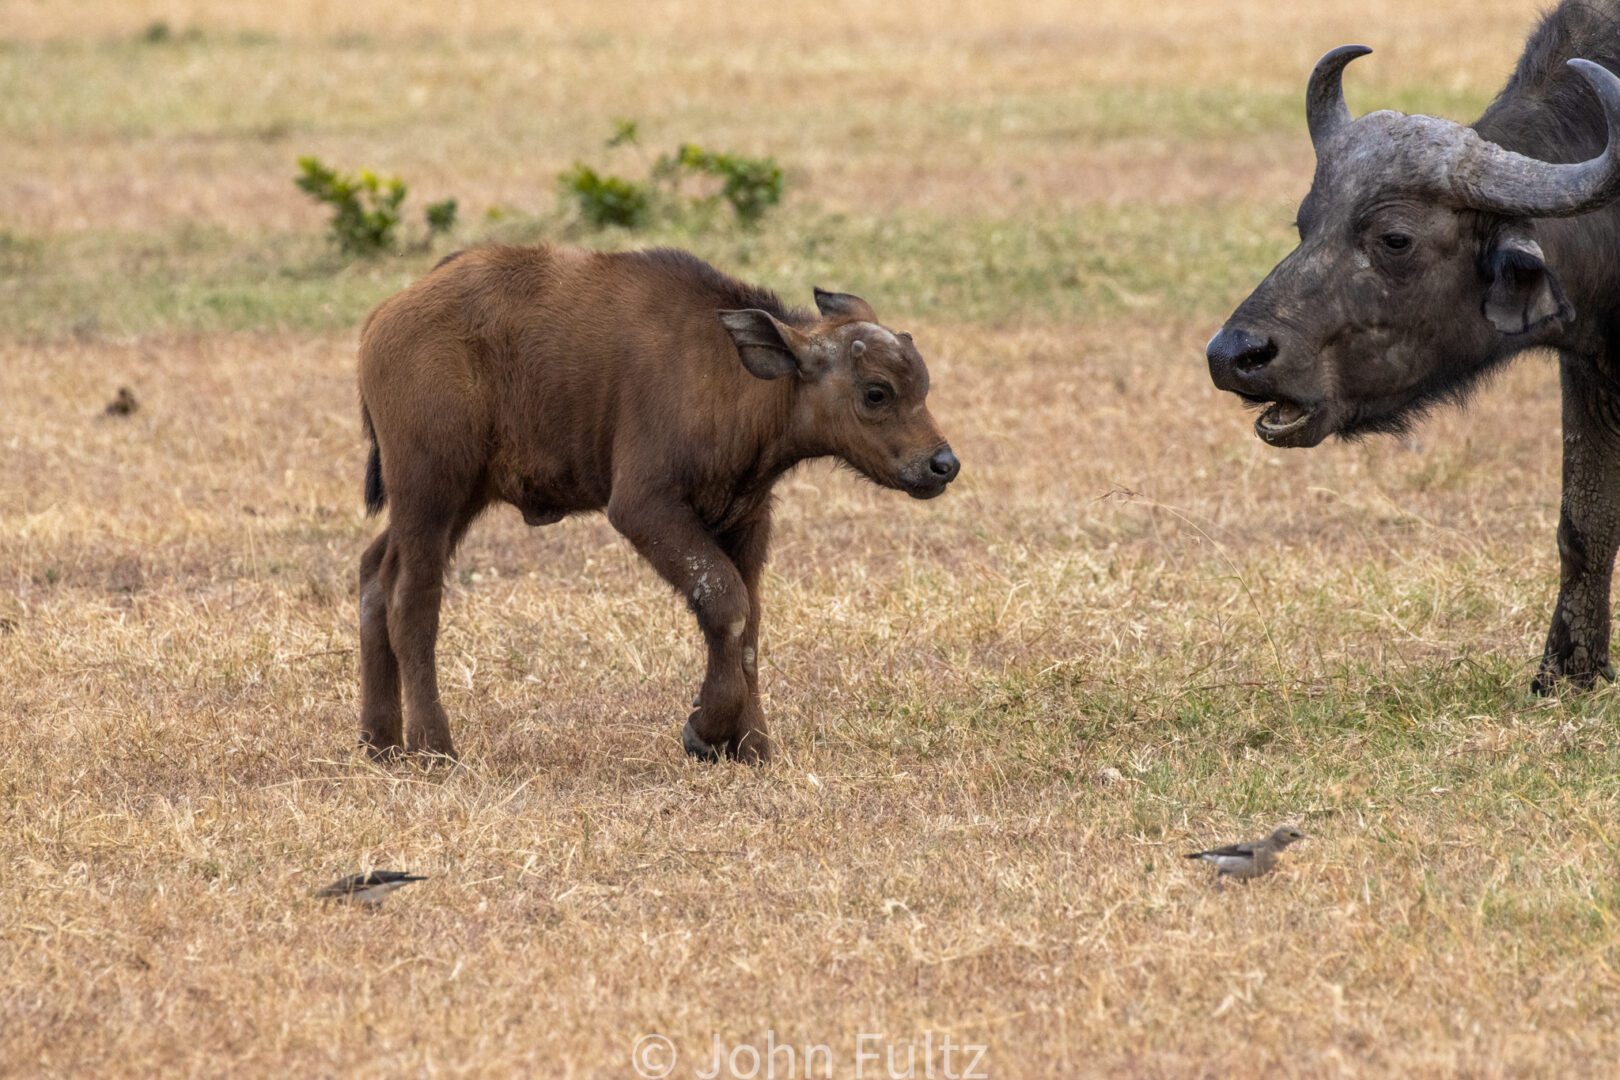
{"x": 1129, "y": 629}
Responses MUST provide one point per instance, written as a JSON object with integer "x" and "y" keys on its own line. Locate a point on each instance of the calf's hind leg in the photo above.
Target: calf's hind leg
{"x": 419, "y": 548}
{"x": 381, "y": 715}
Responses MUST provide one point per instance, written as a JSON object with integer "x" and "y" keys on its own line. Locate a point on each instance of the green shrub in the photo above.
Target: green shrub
{"x": 750, "y": 186}
{"x": 624, "y": 133}
{"x": 160, "y": 32}
{"x": 607, "y": 200}
{"x": 365, "y": 207}
{"x": 441, "y": 217}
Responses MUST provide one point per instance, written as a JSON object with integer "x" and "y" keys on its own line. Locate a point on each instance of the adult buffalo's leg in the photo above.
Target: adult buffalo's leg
{"x": 382, "y": 730}
{"x": 669, "y": 535}
{"x": 747, "y": 546}
{"x": 1588, "y": 531}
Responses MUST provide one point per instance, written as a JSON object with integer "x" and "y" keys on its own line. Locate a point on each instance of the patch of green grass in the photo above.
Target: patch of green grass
{"x": 1357, "y": 739}
{"x": 18, "y": 253}
{"x": 191, "y": 280}
{"x": 194, "y": 79}
{"x": 1098, "y": 114}
{"x": 1031, "y": 268}
{"x": 1092, "y": 113}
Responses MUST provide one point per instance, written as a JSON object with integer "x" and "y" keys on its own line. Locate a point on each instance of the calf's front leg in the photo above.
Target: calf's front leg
{"x": 746, "y": 546}
{"x": 669, "y": 535}
{"x": 1588, "y": 532}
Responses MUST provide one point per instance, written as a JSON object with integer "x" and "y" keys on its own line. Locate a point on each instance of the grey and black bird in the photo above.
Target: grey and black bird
{"x": 1250, "y": 860}
{"x": 367, "y": 889}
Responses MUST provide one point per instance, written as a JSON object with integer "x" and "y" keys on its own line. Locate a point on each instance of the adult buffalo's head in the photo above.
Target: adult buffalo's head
{"x": 1417, "y": 267}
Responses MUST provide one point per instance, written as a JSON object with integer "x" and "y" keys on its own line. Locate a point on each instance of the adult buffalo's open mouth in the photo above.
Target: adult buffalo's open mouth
{"x": 1283, "y": 419}
{"x": 1283, "y": 422}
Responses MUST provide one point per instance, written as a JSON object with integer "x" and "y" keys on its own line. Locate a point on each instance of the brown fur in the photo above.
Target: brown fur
{"x": 647, "y": 384}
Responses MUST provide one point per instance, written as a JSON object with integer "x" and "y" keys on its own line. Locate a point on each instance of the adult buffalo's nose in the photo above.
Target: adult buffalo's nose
{"x": 1236, "y": 356}
{"x": 944, "y": 464}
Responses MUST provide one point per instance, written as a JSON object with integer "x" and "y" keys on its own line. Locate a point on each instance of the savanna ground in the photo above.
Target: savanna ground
{"x": 1128, "y": 630}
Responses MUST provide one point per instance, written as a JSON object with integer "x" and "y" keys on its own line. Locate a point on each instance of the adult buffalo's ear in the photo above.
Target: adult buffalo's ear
{"x": 1524, "y": 293}
{"x": 843, "y": 305}
{"x": 769, "y": 347}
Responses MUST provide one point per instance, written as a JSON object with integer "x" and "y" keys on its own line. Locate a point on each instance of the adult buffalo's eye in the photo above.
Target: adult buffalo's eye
{"x": 1395, "y": 241}
{"x": 877, "y": 395}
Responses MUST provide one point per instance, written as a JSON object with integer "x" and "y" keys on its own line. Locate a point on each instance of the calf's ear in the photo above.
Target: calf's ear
{"x": 843, "y": 305}
{"x": 1524, "y": 293}
{"x": 769, "y": 348}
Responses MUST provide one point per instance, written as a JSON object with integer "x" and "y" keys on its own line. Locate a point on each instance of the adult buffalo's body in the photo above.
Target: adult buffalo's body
{"x": 1430, "y": 254}
{"x": 647, "y": 384}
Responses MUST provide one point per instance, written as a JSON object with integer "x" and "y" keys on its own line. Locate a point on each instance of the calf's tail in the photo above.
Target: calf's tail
{"x": 376, "y": 497}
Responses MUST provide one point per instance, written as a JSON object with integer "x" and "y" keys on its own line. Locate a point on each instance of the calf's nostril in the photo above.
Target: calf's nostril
{"x": 944, "y": 463}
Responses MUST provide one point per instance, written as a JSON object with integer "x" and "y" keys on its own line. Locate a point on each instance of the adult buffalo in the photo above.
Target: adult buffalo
{"x": 1431, "y": 253}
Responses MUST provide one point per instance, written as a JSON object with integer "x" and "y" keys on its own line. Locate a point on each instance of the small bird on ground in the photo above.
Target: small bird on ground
{"x": 367, "y": 890}
{"x": 1245, "y": 861}
{"x": 122, "y": 405}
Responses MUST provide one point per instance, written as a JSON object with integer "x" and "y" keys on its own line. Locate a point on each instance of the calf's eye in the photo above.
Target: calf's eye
{"x": 1396, "y": 241}
{"x": 877, "y": 396}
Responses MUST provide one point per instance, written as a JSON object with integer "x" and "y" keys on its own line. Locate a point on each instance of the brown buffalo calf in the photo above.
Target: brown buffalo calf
{"x": 647, "y": 384}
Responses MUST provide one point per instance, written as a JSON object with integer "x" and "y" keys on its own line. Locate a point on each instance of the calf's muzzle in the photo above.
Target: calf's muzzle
{"x": 928, "y": 477}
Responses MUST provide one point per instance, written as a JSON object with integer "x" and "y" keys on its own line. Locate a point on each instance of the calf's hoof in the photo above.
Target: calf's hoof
{"x": 382, "y": 733}
{"x": 696, "y": 747}
{"x": 432, "y": 751}
{"x": 750, "y": 748}
{"x": 430, "y": 738}
{"x": 379, "y": 750}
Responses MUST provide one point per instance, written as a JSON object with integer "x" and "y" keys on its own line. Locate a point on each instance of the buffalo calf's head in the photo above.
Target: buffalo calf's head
{"x": 1418, "y": 267}
{"x": 860, "y": 391}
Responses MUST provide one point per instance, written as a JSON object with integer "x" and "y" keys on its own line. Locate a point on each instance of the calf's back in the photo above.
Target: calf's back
{"x": 536, "y": 374}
